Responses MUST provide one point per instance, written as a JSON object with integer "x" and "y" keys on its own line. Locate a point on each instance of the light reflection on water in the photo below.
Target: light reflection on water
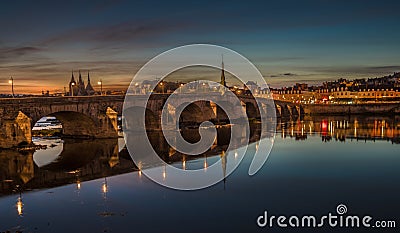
{"x": 307, "y": 172}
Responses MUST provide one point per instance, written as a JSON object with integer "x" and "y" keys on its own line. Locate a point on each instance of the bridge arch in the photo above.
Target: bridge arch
{"x": 150, "y": 118}
{"x": 76, "y": 124}
{"x": 293, "y": 110}
{"x": 270, "y": 110}
{"x": 252, "y": 111}
{"x": 82, "y": 124}
{"x": 283, "y": 109}
{"x": 190, "y": 113}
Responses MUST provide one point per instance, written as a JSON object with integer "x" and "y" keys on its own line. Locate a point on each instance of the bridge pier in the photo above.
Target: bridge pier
{"x": 108, "y": 127}
{"x": 15, "y": 129}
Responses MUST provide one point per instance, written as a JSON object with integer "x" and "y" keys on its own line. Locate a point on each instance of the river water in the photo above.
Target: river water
{"x": 315, "y": 165}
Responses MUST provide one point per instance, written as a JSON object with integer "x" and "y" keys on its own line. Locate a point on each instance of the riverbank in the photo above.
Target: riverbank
{"x": 350, "y": 109}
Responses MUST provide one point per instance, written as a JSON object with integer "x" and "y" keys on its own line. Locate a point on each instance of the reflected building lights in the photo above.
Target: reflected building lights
{"x": 355, "y": 128}
{"x": 140, "y": 166}
{"x": 164, "y": 173}
{"x": 20, "y": 206}
{"x": 223, "y": 164}
{"x": 104, "y": 187}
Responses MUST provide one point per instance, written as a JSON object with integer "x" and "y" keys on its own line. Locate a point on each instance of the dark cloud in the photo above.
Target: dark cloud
{"x": 385, "y": 67}
{"x": 288, "y": 74}
{"x": 10, "y": 53}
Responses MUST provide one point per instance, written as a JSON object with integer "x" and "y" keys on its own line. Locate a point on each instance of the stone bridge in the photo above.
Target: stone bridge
{"x": 96, "y": 116}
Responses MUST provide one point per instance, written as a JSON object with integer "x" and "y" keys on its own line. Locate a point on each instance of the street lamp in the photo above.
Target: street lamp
{"x": 101, "y": 86}
{"x": 162, "y": 86}
{"x": 137, "y": 88}
{"x": 72, "y": 88}
{"x": 11, "y": 81}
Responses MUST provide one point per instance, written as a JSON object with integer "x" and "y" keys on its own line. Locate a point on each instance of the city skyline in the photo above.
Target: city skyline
{"x": 113, "y": 39}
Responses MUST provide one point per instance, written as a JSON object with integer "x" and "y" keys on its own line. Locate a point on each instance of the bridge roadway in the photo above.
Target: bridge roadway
{"x": 96, "y": 116}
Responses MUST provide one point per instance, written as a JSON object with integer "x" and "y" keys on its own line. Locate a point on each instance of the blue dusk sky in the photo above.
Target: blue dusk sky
{"x": 288, "y": 41}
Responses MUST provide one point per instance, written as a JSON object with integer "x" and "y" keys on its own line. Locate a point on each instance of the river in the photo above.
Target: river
{"x": 315, "y": 165}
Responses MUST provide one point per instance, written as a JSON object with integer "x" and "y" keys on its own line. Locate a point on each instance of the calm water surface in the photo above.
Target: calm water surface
{"x": 315, "y": 165}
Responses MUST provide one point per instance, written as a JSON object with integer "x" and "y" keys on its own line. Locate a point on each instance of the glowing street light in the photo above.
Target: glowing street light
{"x": 137, "y": 88}
{"x": 72, "y": 88}
{"x": 162, "y": 86}
{"x": 101, "y": 86}
{"x": 11, "y": 81}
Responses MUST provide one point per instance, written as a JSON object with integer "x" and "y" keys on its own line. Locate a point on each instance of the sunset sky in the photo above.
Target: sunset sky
{"x": 288, "y": 41}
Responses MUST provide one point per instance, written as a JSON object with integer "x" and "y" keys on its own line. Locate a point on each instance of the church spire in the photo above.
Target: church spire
{"x": 89, "y": 89}
{"x": 72, "y": 83}
{"x": 80, "y": 78}
{"x": 72, "y": 77}
{"x": 81, "y": 86}
{"x": 223, "y": 82}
